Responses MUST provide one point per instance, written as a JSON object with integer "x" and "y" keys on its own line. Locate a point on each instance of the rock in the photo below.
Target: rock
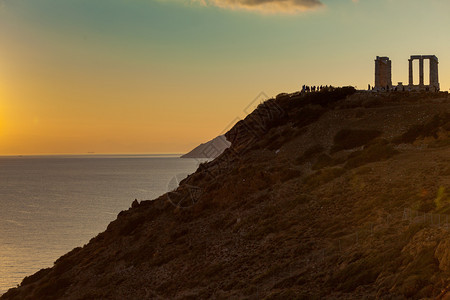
{"x": 135, "y": 203}
{"x": 442, "y": 254}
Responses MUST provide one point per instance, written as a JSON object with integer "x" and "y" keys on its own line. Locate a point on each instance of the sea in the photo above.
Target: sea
{"x": 52, "y": 204}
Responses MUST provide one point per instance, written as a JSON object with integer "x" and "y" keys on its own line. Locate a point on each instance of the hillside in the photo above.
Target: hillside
{"x": 334, "y": 194}
{"x": 210, "y": 149}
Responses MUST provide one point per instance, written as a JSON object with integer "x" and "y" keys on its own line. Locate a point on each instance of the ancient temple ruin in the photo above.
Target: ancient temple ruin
{"x": 383, "y": 75}
{"x": 434, "y": 75}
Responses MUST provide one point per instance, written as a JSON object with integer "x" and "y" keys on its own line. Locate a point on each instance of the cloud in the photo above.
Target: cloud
{"x": 267, "y": 6}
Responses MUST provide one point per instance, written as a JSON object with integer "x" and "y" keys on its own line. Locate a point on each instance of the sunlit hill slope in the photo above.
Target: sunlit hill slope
{"x": 334, "y": 194}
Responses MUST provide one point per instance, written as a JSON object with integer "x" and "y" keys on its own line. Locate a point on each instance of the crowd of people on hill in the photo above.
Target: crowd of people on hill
{"x": 309, "y": 89}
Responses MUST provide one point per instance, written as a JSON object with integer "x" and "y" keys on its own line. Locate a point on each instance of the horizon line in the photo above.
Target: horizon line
{"x": 93, "y": 154}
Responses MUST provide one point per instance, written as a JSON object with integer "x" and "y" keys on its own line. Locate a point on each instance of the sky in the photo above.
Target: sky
{"x": 162, "y": 76}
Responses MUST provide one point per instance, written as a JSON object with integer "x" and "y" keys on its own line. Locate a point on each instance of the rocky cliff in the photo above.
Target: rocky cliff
{"x": 334, "y": 194}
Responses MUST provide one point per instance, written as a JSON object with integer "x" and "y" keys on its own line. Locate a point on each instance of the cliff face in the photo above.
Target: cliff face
{"x": 333, "y": 194}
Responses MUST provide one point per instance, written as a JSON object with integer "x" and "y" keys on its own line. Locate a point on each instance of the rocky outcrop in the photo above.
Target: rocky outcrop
{"x": 443, "y": 255}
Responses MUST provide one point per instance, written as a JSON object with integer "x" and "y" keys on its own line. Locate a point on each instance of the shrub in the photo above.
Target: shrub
{"x": 307, "y": 115}
{"x": 442, "y": 198}
{"x": 371, "y": 153}
{"x": 131, "y": 223}
{"x": 279, "y": 139}
{"x": 424, "y": 130}
{"x": 52, "y": 289}
{"x": 365, "y": 269}
{"x": 324, "y": 160}
{"x": 409, "y": 136}
{"x": 352, "y": 138}
{"x": 65, "y": 262}
{"x": 35, "y": 277}
{"x": 323, "y": 176}
{"x": 290, "y": 174}
{"x": 310, "y": 153}
{"x": 331, "y": 96}
{"x": 440, "y": 143}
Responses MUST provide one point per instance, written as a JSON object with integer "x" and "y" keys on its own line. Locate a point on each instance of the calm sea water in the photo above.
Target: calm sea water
{"x": 52, "y": 204}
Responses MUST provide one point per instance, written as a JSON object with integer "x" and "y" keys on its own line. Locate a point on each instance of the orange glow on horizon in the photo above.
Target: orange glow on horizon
{"x": 151, "y": 82}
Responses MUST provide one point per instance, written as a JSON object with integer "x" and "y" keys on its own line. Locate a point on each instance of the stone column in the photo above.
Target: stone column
{"x": 434, "y": 74}
{"x": 377, "y": 72}
{"x": 411, "y": 77}
{"x": 389, "y": 72}
{"x": 421, "y": 71}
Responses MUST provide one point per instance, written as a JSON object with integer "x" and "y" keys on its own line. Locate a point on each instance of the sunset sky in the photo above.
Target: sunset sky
{"x": 162, "y": 76}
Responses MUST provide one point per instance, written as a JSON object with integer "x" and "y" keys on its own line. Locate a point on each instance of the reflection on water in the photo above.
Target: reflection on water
{"x": 50, "y": 205}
